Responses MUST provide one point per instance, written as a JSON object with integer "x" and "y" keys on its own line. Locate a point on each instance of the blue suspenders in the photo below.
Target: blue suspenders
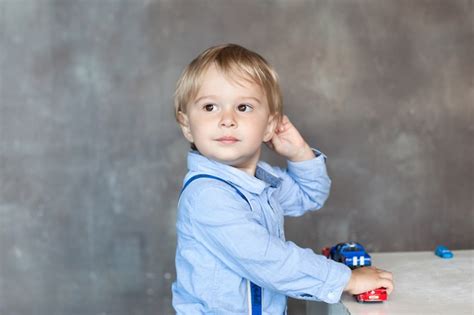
{"x": 255, "y": 299}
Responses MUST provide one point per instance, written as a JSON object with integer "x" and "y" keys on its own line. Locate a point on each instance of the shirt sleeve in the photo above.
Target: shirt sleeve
{"x": 305, "y": 186}
{"x": 230, "y": 230}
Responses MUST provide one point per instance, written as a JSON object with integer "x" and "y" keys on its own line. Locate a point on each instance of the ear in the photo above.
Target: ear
{"x": 183, "y": 121}
{"x": 271, "y": 126}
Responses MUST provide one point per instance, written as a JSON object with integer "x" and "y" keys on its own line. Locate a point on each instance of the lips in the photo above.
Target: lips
{"x": 227, "y": 140}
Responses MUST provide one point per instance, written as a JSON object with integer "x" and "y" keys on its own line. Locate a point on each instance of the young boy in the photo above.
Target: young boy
{"x": 232, "y": 257}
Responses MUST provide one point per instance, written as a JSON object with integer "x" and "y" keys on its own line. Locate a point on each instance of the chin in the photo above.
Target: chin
{"x": 232, "y": 157}
{"x": 232, "y": 161}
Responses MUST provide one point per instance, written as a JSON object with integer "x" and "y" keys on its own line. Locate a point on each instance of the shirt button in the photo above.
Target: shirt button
{"x": 331, "y": 295}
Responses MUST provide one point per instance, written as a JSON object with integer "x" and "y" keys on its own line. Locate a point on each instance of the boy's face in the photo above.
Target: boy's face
{"x": 228, "y": 120}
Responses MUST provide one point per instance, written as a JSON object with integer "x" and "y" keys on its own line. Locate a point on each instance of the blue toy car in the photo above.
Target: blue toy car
{"x": 443, "y": 252}
{"x": 351, "y": 254}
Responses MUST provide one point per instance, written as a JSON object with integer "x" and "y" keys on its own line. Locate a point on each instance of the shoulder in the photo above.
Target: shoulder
{"x": 199, "y": 187}
{"x": 208, "y": 197}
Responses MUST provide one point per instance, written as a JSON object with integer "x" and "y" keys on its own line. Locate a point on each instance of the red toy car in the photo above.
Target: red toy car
{"x": 377, "y": 295}
{"x": 326, "y": 251}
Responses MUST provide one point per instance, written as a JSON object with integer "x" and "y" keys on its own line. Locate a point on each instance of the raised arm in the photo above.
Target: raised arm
{"x": 305, "y": 185}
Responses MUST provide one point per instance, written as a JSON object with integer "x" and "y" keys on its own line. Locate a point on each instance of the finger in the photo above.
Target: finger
{"x": 283, "y": 126}
{"x": 275, "y": 140}
{"x": 386, "y": 283}
{"x": 385, "y": 274}
{"x": 279, "y": 127}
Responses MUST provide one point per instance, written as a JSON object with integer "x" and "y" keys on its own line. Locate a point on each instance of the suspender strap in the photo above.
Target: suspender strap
{"x": 255, "y": 298}
{"x": 214, "y": 177}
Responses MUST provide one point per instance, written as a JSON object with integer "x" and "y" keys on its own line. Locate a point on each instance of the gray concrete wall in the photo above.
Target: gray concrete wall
{"x": 91, "y": 159}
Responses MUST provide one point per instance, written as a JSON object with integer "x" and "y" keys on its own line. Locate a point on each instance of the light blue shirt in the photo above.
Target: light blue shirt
{"x": 222, "y": 242}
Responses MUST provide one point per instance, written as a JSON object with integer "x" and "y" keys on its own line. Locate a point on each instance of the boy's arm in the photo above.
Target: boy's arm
{"x": 226, "y": 228}
{"x": 306, "y": 184}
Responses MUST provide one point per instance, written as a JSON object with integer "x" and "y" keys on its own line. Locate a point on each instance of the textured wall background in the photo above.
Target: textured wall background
{"x": 91, "y": 159}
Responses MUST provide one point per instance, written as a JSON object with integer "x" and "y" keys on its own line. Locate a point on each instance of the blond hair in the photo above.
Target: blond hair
{"x": 236, "y": 62}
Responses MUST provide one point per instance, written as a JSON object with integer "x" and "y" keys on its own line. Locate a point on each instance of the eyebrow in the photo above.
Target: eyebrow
{"x": 214, "y": 96}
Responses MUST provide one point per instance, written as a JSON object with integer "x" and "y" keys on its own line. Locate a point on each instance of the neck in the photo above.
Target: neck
{"x": 248, "y": 170}
{"x": 248, "y": 166}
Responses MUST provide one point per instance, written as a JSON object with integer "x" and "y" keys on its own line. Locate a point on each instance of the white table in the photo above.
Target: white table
{"x": 424, "y": 284}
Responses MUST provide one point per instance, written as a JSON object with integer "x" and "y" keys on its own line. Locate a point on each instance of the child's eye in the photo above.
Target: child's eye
{"x": 209, "y": 107}
{"x": 244, "y": 108}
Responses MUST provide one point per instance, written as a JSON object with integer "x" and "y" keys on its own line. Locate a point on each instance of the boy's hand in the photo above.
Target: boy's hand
{"x": 288, "y": 142}
{"x": 369, "y": 278}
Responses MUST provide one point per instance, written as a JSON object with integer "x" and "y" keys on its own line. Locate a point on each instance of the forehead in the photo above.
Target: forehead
{"x": 222, "y": 81}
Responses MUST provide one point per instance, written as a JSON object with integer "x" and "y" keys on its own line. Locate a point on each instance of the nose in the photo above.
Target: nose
{"x": 228, "y": 119}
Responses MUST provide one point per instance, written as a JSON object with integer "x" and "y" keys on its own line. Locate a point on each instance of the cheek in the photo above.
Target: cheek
{"x": 198, "y": 128}
{"x": 259, "y": 130}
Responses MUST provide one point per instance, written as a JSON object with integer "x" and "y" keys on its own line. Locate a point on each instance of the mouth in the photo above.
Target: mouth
{"x": 227, "y": 140}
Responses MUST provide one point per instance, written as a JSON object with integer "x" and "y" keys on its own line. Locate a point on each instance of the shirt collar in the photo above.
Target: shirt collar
{"x": 264, "y": 175}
